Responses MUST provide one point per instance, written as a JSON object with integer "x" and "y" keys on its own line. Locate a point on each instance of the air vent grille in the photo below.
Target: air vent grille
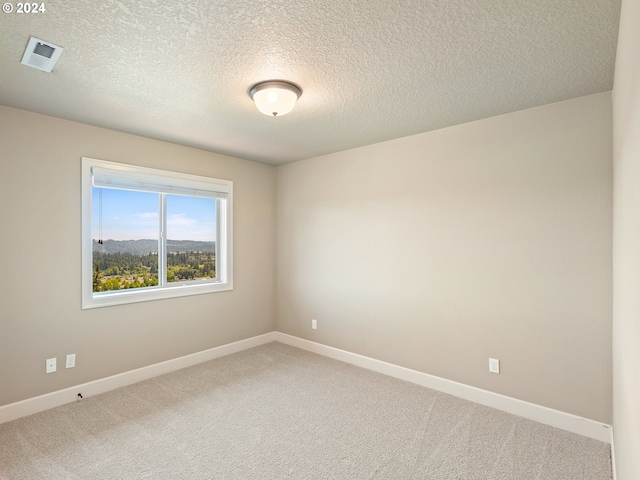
{"x": 41, "y": 55}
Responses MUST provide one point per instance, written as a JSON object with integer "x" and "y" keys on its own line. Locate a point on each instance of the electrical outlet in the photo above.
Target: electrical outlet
{"x": 494, "y": 365}
{"x": 71, "y": 360}
{"x": 314, "y": 324}
{"x": 51, "y": 365}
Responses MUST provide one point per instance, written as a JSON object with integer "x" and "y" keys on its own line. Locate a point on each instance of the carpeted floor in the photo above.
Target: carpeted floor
{"x": 276, "y": 412}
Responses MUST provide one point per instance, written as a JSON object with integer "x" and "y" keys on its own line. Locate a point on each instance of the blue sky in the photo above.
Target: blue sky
{"x": 128, "y": 215}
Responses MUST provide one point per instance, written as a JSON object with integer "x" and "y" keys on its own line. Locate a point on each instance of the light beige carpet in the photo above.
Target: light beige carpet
{"x": 276, "y": 412}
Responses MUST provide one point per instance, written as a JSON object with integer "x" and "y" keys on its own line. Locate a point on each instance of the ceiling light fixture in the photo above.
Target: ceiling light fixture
{"x": 275, "y": 97}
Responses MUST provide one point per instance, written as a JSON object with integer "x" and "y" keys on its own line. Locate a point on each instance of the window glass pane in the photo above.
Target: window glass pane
{"x": 124, "y": 232}
{"x": 191, "y": 236}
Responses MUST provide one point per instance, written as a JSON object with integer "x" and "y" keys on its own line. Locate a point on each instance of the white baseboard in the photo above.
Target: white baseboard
{"x": 548, "y": 416}
{"x": 29, "y": 406}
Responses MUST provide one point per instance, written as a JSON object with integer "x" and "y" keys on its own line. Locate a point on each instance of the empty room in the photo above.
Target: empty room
{"x": 320, "y": 240}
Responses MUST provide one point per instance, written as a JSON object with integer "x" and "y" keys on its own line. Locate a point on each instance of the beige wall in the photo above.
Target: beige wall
{"x": 40, "y": 260}
{"x": 434, "y": 252}
{"x": 440, "y": 250}
{"x": 626, "y": 245}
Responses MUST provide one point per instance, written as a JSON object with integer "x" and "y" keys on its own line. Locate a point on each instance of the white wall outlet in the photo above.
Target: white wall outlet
{"x": 314, "y": 324}
{"x": 494, "y": 365}
{"x": 71, "y": 360}
{"x": 51, "y": 365}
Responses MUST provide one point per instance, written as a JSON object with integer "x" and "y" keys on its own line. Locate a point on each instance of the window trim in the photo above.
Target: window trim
{"x": 224, "y": 250}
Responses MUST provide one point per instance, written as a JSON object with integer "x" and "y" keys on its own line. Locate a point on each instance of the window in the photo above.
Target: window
{"x": 150, "y": 234}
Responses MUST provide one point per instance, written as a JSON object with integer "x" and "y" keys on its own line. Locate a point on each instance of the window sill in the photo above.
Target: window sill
{"x": 123, "y": 297}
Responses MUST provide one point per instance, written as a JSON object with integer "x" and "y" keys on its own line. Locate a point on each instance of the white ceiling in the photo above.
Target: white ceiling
{"x": 370, "y": 70}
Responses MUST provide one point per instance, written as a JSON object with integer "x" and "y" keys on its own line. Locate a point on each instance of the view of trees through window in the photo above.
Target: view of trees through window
{"x": 126, "y": 239}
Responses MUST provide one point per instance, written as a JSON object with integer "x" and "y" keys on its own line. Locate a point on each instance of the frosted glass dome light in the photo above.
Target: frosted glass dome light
{"x": 275, "y": 97}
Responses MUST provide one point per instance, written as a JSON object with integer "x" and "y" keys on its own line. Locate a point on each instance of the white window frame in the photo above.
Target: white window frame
{"x": 145, "y": 179}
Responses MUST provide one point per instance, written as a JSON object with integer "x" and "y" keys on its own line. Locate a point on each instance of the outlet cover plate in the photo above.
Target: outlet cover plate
{"x": 51, "y": 365}
{"x": 494, "y": 365}
{"x": 71, "y": 360}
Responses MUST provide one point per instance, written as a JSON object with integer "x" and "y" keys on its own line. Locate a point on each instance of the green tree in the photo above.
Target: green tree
{"x": 97, "y": 284}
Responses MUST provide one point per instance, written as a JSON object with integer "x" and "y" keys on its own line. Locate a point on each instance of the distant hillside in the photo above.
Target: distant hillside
{"x": 146, "y": 246}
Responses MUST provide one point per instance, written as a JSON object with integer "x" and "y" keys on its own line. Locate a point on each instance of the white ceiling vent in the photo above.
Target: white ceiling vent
{"x": 41, "y": 55}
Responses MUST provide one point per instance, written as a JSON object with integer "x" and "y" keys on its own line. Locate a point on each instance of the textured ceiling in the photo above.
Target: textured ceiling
{"x": 370, "y": 70}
